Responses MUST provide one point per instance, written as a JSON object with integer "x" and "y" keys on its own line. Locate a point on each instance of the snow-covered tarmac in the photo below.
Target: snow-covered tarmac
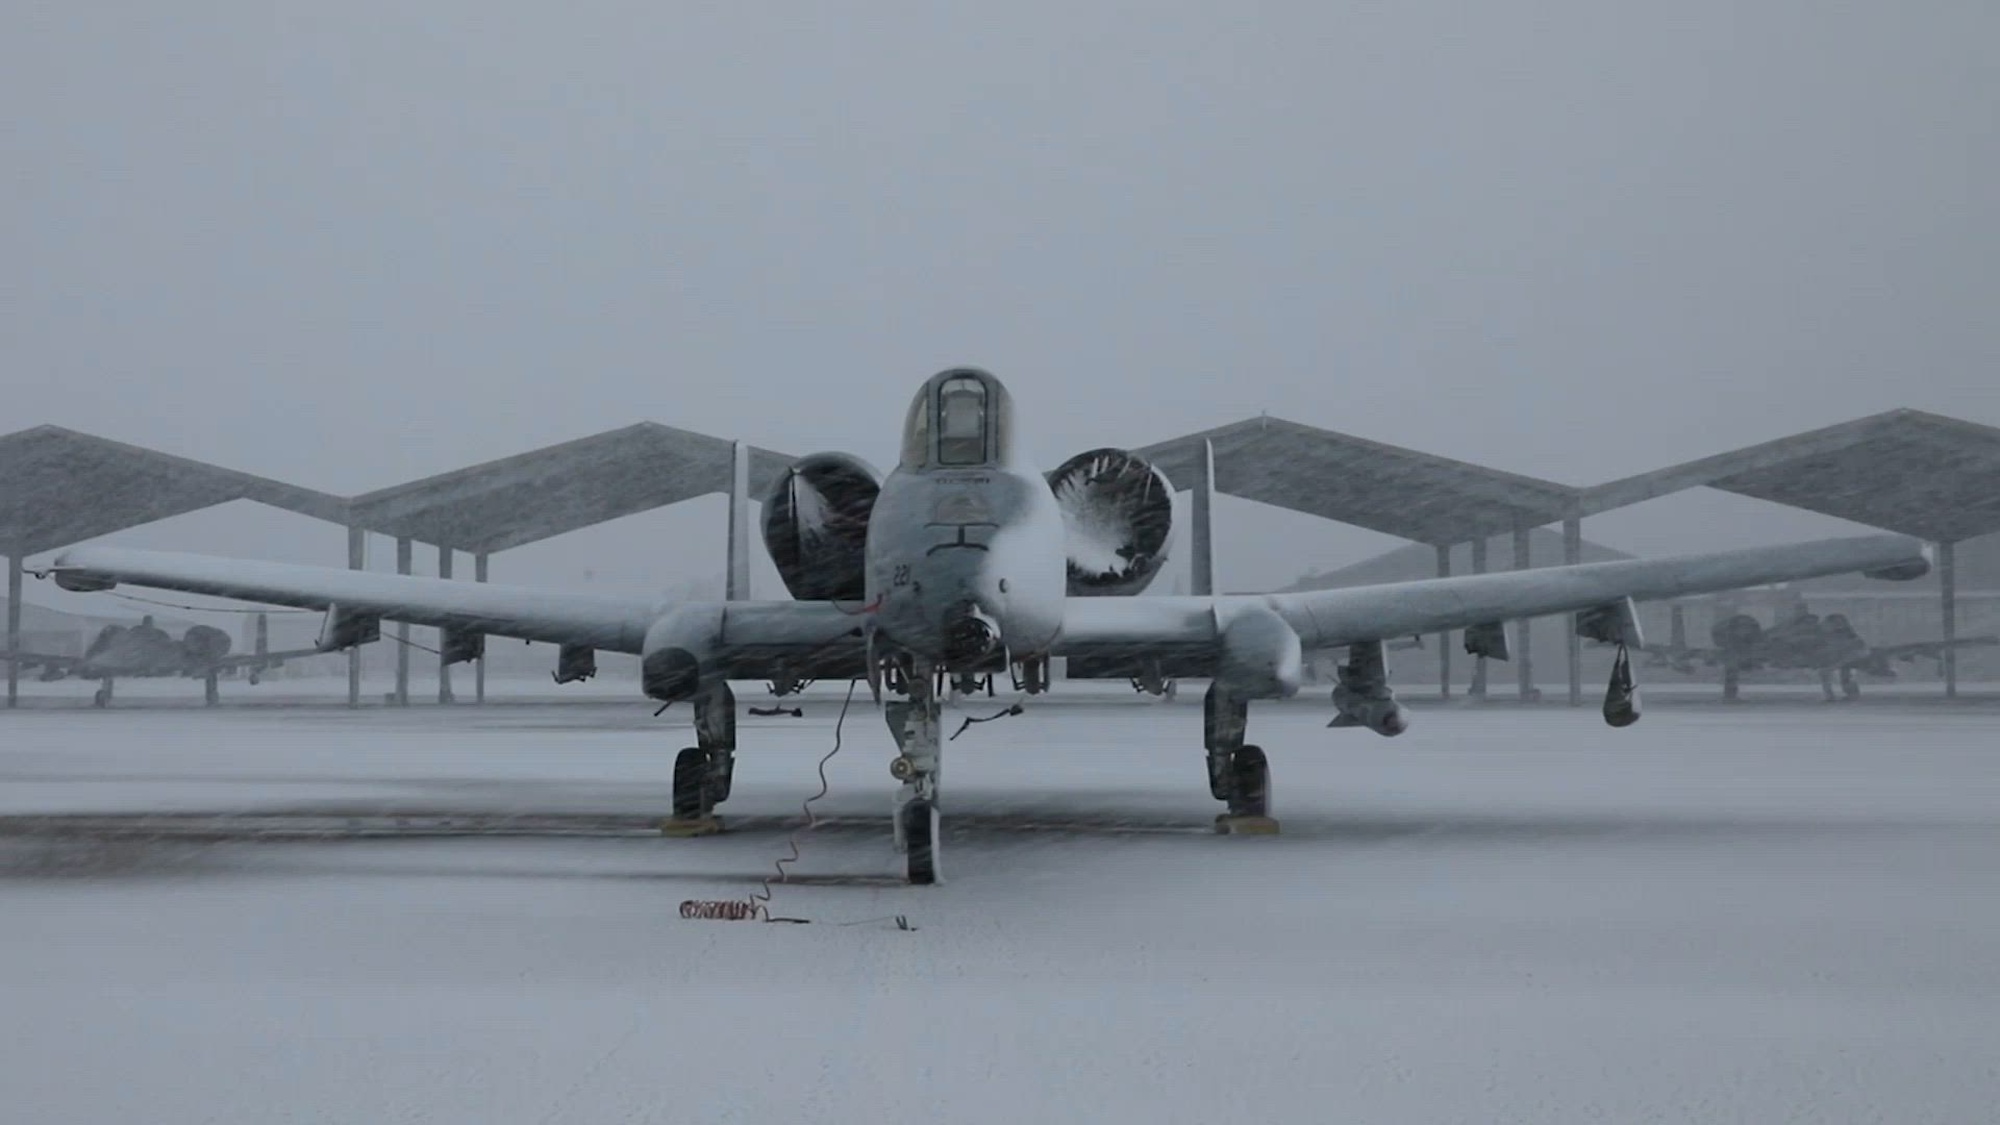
{"x": 1754, "y": 914}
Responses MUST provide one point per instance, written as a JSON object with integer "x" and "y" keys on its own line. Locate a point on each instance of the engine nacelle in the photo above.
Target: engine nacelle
{"x": 816, "y": 526}
{"x": 1118, "y": 514}
{"x": 204, "y": 644}
{"x": 1739, "y": 632}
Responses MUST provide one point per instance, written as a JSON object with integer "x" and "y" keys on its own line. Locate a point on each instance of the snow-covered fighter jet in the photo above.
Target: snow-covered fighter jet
{"x": 1828, "y": 645}
{"x": 145, "y": 650}
{"x": 965, "y": 559}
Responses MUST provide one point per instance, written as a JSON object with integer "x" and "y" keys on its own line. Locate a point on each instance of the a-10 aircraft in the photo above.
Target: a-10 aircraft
{"x": 1828, "y": 645}
{"x": 966, "y": 560}
{"x": 145, "y": 651}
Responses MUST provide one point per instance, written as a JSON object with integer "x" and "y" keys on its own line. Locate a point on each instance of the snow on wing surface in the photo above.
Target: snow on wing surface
{"x": 609, "y": 623}
{"x": 1325, "y": 618}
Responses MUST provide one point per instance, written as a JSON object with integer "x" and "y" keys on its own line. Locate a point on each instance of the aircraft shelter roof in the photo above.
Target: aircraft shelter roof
{"x": 1385, "y": 488}
{"x": 1906, "y": 471}
{"x": 561, "y": 488}
{"x": 59, "y": 487}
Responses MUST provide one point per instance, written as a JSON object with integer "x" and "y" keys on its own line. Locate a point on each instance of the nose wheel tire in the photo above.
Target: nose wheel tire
{"x": 690, "y": 783}
{"x": 920, "y": 834}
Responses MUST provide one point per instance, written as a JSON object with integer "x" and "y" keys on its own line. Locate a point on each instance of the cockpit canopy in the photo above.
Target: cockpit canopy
{"x": 963, "y": 418}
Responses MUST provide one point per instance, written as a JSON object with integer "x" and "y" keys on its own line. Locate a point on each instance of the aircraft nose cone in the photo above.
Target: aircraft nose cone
{"x": 969, "y": 635}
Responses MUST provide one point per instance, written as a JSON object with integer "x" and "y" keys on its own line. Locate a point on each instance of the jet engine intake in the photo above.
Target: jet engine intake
{"x": 1118, "y": 513}
{"x": 816, "y": 526}
{"x": 1737, "y": 633}
{"x": 204, "y": 644}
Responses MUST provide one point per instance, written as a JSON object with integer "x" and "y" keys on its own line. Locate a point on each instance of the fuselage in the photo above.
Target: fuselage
{"x": 1802, "y": 642}
{"x": 965, "y": 544}
{"x": 145, "y": 650}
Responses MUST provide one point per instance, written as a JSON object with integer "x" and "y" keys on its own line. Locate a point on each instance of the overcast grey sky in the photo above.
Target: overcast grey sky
{"x": 351, "y": 244}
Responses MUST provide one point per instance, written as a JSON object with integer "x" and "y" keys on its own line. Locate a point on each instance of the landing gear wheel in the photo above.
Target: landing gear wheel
{"x": 693, "y": 803}
{"x": 920, "y": 834}
{"x": 1249, "y": 775}
{"x": 690, "y": 783}
{"x": 1250, "y": 782}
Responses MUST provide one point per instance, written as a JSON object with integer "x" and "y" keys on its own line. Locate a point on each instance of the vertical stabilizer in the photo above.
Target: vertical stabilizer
{"x": 1202, "y": 564}
{"x": 737, "y": 579}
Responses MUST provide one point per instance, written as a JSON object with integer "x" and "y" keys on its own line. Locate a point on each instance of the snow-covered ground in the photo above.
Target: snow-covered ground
{"x": 1752, "y": 914}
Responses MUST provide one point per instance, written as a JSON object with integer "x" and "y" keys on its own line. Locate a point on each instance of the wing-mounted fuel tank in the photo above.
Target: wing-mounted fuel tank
{"x": 1118, "y": 516}
{"x": 816, "y": 526}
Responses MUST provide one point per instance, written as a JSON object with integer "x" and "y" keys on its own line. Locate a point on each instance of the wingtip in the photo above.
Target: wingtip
{"x": 1915, "y": 566}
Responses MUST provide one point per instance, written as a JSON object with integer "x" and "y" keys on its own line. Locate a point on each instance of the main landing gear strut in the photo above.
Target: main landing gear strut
{"x": 702, "y": 772}
{"x": 1238, "y": 773}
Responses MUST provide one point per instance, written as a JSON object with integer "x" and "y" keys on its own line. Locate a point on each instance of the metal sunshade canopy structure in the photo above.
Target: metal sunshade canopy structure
{"x": 561, "y": 488}
{"x": 1386, "y": 488}
{"x": 547, "y": 492}
{"x": 59, "y": 487}
{"x": 1908, "y": 471}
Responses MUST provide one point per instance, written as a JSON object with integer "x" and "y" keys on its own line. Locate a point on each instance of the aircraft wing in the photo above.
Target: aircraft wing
{"x": 612, "y": 624}
{"x": 1931, "y": 649}
{"x": 770, "y": 639}
{"x": 268, "y": 659}
{"x": 1326, "y": 618}
{"x": 1683, "y": 657}
{"x": 60, "y": 664}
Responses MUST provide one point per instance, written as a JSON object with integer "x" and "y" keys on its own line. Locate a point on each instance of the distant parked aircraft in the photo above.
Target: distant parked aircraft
{"x": 146, "y": 650}
{"x": 1828, "y": 645}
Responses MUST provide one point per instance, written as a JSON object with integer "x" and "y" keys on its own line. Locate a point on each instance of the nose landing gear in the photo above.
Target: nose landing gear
{"x": 914, "y": 724}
